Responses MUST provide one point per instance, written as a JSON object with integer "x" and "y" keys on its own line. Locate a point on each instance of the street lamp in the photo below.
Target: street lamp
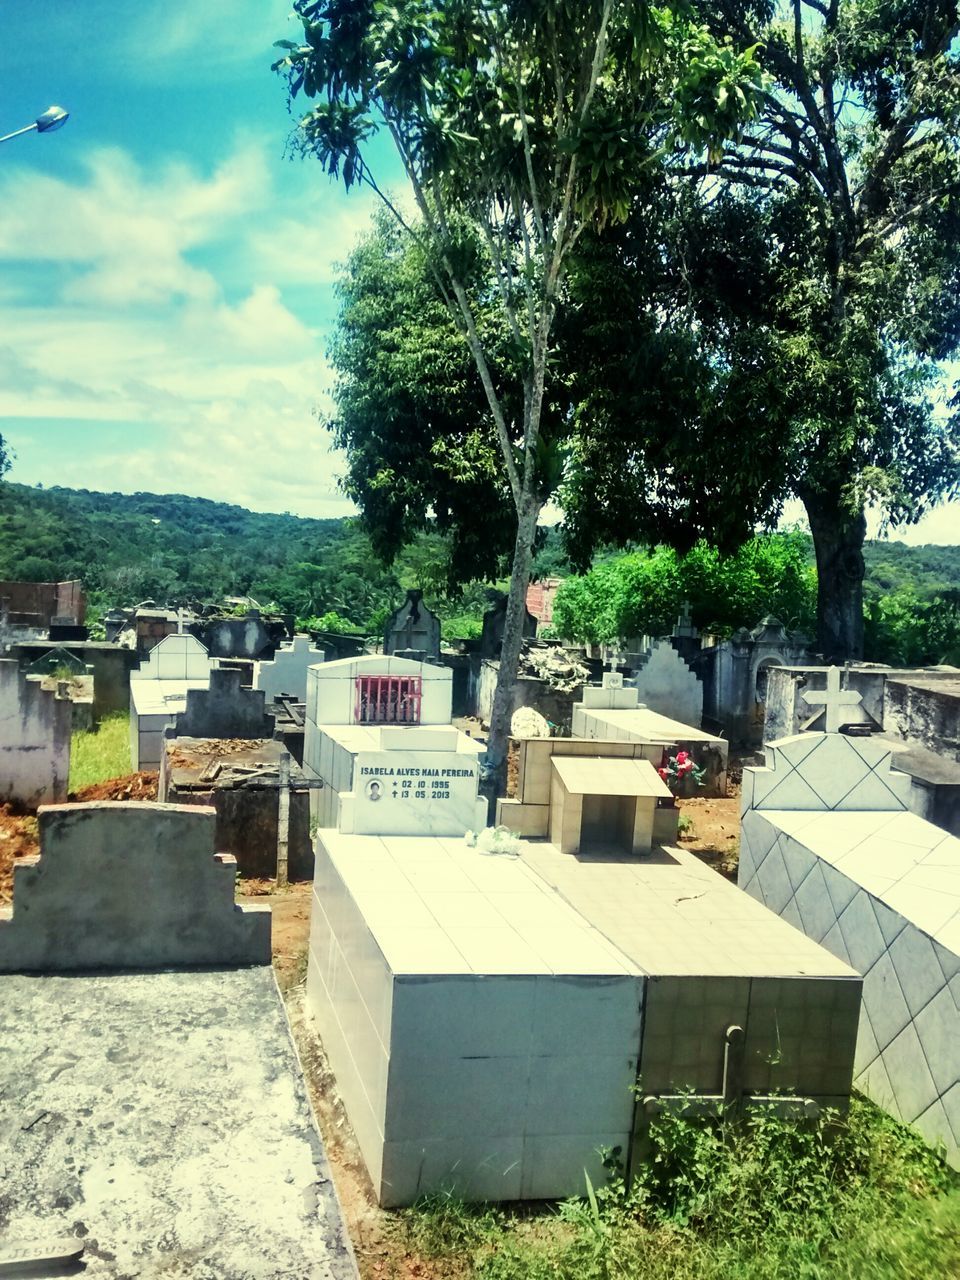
{"x": 51, "y": 119}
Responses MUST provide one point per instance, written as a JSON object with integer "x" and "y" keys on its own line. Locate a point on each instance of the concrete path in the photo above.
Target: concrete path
{"x": 161, "y": 1119}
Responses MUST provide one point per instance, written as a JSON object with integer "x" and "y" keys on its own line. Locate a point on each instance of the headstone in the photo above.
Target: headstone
{"x": 494, "y": 621}
{"x": 224, "y": 710}
{"x": 287, "y": 673}
{"x": 666, "y": 684}
{"x": 833, "y": 699}
{"x": 35, "y": 726}
{"x": 413, "y": 626}
{"x": 128, "y": 886}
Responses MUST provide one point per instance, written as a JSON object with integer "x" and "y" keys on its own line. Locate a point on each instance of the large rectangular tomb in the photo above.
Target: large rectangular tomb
{"x": 614, "y": 713}
{"x": 498, "y": 1013}
{"x": 484, "y": 1036}
{"x": 829, "y": 844}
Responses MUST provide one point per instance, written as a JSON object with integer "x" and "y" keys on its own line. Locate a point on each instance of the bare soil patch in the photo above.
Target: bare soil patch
{"x": 133, "y": 786}
{"x": 18, "y": 839}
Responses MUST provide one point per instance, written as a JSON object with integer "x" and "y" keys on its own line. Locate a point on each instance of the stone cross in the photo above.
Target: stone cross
{"x": 833, "y": 698}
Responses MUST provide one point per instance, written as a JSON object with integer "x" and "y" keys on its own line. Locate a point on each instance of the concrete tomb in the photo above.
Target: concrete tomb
{"x": 666, "y": 684}
{"x": 413, "y": 626}
{"x": 828, "y": 843}
{"x": 224, "y": 709}
{"x": 528, "y": 812}
{"x": 154, "y": 1116}
{"x": 352, "y": 707}
{"x": 35, "y": 726}
{"x": 614, "y": 712}
{"x": 916, "y": 713}
{"x": 243, "y": 781}
{"x": 287, "y": 673}
{"x": 488, "y": 1016}
{"x": 158, "y": 691}
{"x": 128, "y": 885}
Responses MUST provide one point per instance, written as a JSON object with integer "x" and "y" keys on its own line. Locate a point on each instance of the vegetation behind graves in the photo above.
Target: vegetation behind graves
{"x": 176, "y": 549}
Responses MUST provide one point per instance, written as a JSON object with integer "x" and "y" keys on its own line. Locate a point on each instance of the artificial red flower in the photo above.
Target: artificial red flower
{"x": 663, "y": 774}
{"x": 682, "y": 757}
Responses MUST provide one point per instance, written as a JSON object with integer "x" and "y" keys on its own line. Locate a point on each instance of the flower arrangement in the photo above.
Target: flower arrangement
{"x": 680, "y": 768}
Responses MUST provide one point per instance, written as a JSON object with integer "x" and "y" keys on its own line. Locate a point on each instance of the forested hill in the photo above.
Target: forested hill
{"x": 130, "y": 547}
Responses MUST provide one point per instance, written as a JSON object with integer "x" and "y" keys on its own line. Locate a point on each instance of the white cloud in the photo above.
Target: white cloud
{"x": 220, "y": 377}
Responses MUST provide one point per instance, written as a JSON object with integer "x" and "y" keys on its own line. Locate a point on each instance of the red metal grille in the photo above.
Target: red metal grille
{"x": 388, "y": 700}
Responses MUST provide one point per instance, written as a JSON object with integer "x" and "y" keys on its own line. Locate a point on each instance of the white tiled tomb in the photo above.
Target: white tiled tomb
{"x": 614, "y": 713}
{"x": 828, "y": 843}
{"x": 378, "y": 734}
{"x": 158, "y": 691}
{"x": 491, "y": 1019}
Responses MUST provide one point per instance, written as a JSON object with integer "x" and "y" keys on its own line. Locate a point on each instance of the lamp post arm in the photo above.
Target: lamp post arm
{"x": 17, "y": 132}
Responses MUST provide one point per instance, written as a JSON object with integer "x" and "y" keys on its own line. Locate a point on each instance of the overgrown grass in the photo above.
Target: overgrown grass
{"x": 103, "y": 754}
{"x": 854, "y": 1199}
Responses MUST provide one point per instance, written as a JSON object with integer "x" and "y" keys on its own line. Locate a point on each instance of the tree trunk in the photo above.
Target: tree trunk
{"x": 838, "y": 537}
{"x": 495, "y": 768}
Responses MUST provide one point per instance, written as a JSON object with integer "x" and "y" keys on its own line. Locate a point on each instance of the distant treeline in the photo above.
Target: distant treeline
{"x": 172, "y": 548}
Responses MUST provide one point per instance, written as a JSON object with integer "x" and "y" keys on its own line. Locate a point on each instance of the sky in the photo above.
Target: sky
{"x": 166, "y": 270}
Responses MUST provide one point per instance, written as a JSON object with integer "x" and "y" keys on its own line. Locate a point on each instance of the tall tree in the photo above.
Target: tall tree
{"x": 6, "y": 457}
{"x": 855, "y": 158}
{"x": 522, "y": 123}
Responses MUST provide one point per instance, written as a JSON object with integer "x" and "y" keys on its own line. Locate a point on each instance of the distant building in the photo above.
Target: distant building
{"x": 540, "y": 597}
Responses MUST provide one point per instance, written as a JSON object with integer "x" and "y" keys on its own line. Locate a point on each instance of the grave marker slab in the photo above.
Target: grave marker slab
{"x": 35, "y": 726}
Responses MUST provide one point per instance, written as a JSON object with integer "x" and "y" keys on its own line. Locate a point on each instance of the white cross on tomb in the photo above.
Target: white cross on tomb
{"x": 833, "y": 698}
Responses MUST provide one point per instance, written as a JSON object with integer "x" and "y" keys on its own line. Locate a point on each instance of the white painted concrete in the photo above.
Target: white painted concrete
{"x": 287, "y": 673}
{"x": 35, "y": 728}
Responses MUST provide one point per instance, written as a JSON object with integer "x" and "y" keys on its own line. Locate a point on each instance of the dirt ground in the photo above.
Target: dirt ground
{"x": 18, "y": 828}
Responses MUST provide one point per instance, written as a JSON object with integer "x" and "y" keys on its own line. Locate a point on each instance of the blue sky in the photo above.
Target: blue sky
{"x": 165, "y": 272}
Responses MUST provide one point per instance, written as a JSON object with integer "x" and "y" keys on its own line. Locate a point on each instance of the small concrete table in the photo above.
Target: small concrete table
{"x": 603, "y": 805}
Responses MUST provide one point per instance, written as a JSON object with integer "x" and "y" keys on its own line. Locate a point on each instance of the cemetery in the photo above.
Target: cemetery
{"x": 521, "y": 841}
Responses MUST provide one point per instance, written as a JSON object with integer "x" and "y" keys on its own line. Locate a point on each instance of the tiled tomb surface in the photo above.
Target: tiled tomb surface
{"x": 827, "y": 842}
{"x": 614, "y": 714}
{"x": 712, "y": 959}
{"x": 486, "y": 1017}
{"x": 483, "y": 1035}
{"x": 158, "y": 693}
{"x": 160, "y": 1120}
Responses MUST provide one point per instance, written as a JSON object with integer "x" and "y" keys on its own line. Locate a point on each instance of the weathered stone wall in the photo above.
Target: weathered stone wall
{"x": 111, "y": 669}
{"x": 224, "y": 710}
{"x": 555, "y": 706}
{"x": 128, "y": 886}
{"x": 35, "y": 726}
{"x": 926, "y": 711}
